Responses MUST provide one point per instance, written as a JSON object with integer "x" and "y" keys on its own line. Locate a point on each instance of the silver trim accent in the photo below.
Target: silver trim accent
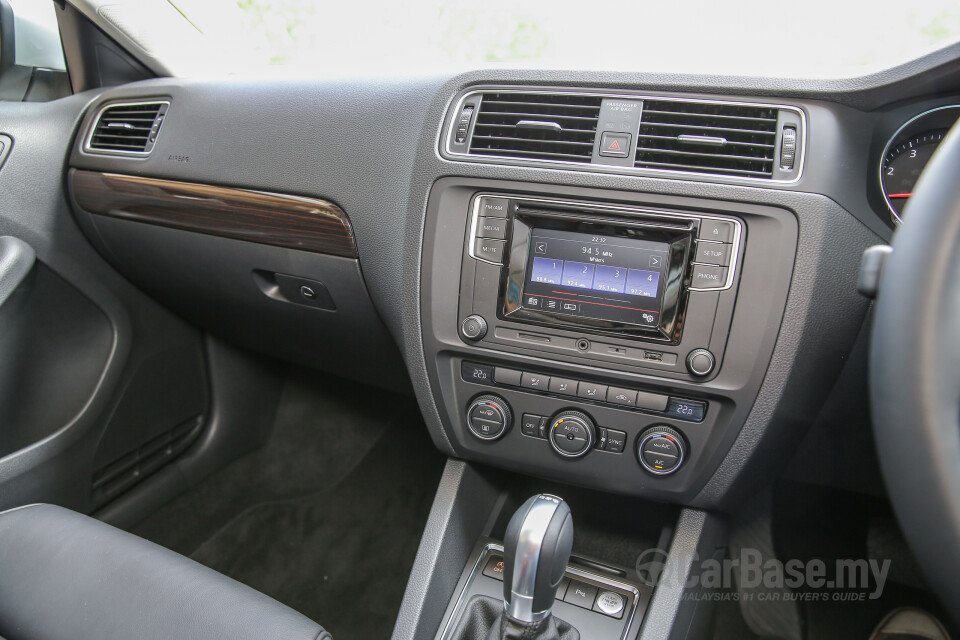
{"x": 620, "y": 210}
{"x": 542, "y": 125}
{"x": 114, "y": 152}
{"x": 529, "y": 544}
{"x": 493, "y": 547}
{"x": 716, "y": 141}
{"x": 886, "y": 149}
{"x": 446, "y": 151}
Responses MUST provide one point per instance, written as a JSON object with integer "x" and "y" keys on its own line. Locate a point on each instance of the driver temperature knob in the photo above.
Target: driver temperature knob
{"x": 572, "y": 433}
{"x": 489, "y": 417}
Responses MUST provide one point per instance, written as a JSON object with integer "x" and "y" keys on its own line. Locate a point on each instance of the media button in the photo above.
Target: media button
{"x": 495, "y": 228}
{"x": 592, "y": 391}
{"x": 535, "y": 381}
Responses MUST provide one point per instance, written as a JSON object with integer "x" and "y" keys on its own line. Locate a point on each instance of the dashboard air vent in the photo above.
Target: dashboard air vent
{"x": 707, "y": 137}
{"x": 536, "y": 126}
{"x": 127, "y": 128}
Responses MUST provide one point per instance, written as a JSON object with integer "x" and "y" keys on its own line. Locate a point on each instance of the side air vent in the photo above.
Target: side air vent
{"x": 536, "y": 126}
{"x": 129, "y": 128}
{"x": 706, "y": 137}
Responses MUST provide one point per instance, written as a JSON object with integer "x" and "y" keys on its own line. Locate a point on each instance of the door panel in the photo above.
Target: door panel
{"x": 93, "y": 372}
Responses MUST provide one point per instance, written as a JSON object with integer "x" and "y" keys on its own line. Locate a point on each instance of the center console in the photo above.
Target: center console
{"x": 606, "y": 339}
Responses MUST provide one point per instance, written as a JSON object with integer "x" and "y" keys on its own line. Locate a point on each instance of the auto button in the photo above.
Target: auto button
{"x": 572, "y": 434}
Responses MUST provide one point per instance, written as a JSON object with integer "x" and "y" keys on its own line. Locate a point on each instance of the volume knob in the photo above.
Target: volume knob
{"x": 473, "y": 328}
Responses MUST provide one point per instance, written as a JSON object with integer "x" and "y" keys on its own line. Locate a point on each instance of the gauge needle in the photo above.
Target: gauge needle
{"x": 899, "y": 195}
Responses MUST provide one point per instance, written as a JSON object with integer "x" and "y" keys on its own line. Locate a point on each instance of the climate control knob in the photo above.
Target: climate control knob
{"x": 572, "y": 433}
{"x": 660, "y": 450}
{"x": 489, "y": 417}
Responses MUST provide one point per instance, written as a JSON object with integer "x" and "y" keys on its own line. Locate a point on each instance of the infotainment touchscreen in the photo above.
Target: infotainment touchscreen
{"x": 604, "y": 277}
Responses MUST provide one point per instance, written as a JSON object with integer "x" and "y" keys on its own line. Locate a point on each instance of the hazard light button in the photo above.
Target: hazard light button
{"x": 615, "y": 145}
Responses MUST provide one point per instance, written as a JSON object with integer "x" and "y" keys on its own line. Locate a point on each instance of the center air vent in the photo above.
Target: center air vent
{"x": 707, "y": 137}
{"x": 129, "y": 128}
{"x": 536, "y": 126}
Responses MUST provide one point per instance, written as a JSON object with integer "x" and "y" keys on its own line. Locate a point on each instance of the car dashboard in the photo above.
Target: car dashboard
{"x": 637, "y": 284}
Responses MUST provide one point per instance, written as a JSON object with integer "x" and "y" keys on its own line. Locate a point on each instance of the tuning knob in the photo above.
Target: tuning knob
{"x": 700, "y": 362}
{"x": 572, "y": 433}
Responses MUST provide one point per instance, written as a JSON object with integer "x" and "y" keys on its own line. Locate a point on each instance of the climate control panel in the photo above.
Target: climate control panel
{"x": 572, "y": 433}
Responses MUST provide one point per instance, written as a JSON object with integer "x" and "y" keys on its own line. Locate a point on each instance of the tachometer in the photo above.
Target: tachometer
{"x": 907, "y": 154}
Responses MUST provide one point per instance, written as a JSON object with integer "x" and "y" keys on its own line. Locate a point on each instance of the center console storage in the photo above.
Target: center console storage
{"x": 613, "y": 340}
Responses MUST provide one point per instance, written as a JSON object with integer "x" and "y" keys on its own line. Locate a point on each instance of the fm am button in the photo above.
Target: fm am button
{"x": 615, "y": 145}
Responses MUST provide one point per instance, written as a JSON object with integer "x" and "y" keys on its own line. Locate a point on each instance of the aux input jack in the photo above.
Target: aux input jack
{"x": 583, "y": 344}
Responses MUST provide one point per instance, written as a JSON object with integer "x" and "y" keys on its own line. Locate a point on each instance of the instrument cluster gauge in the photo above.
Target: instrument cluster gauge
{"x": 907, "y": 153}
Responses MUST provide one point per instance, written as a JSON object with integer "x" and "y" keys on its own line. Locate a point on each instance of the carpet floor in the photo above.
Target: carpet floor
{"x": 327, "y": 516}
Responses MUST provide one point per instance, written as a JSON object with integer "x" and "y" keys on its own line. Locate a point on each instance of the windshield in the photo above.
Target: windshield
{"x": 812, "y": 39}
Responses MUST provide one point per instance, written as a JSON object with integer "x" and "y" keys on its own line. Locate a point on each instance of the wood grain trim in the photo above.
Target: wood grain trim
{"x": 295, "y": 222}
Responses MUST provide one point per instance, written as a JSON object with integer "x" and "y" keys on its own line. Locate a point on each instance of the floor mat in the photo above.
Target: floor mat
{"x": 325, "y": 518}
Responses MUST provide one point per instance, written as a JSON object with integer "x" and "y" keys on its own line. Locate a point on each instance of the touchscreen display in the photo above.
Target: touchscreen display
{"x": 595, "y": 276}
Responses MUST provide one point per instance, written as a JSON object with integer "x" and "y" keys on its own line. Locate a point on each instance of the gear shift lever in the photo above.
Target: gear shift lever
{"x": 536, "y": 550}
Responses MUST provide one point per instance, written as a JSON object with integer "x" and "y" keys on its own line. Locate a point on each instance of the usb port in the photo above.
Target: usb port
{"x": 653, "y": 356}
